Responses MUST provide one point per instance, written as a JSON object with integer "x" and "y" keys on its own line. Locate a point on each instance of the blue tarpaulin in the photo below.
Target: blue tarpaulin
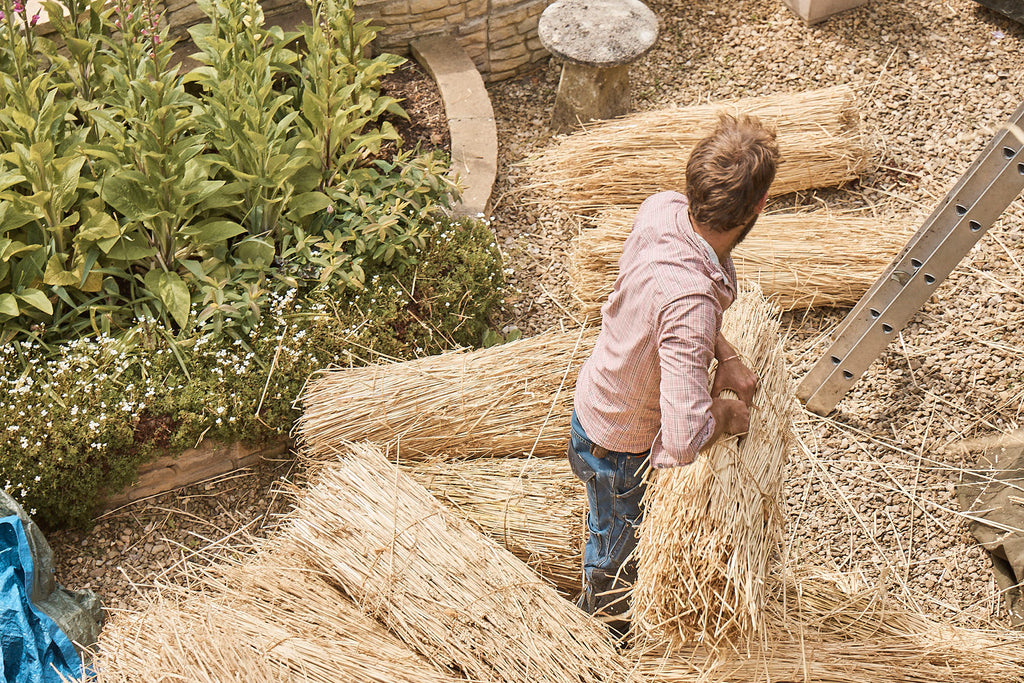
{"x": 34, "y": 648}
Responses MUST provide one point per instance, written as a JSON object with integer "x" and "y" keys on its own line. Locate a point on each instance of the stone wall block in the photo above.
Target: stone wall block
{"x": 516, "y": 51}
{"x": 396, "y": 8}
{"x": 476, "y": 8}
{"x": 421, "y": 7}
{"x": 500, "y": 33}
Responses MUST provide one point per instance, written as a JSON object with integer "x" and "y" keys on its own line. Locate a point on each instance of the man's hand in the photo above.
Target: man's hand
{"x": 733, "y": 375}
{"x": 731, "y": 417}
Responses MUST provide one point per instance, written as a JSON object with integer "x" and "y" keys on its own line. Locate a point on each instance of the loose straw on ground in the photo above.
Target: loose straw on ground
{"x": 822, "y": 629}
{"x": 266, "y": 620}
{"x": 535, "y": 508}
{"x": 711, "y": 527}
{"x": 623, "y": 161}
{"x": 455, "y": 596}
{"x": 511, "y": 399}
{"x": 803, "y": 260}
{"x": 820, "y": 626}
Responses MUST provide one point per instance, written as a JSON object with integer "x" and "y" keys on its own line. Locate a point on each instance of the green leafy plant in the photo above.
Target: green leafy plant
{"x": 132, "y": 192}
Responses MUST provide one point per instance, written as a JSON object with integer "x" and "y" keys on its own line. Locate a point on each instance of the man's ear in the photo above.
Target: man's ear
{"x": 760, "y": 205}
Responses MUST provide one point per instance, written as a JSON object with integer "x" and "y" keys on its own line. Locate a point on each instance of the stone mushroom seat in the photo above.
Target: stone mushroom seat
{"x": 596, "y": 40}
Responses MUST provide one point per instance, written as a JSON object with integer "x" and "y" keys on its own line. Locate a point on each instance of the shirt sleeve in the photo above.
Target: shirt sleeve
{"x": 688, "y": 328}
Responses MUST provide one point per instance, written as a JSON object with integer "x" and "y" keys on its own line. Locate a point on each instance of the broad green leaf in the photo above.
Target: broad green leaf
{"x": 9, "y": 306}
{"x": 93, "y": 282}
{"x": 79, "y": 48}
{"x": 56, "y": 274}
{"x": 213, "y": 231}
{"x": 70, "y": 172}
{"x": 36, "y": 299}
{"x": 96, "y": 227}
{"x": 9, "y": 179}
{"x": 127, "y": 197}
{"x": 125, "y": 248}
{"x": 172, "y": 292}
{"x": 255, "y": 250}
{"x": 308, "y": 203}
{"x": 15, "y": 247}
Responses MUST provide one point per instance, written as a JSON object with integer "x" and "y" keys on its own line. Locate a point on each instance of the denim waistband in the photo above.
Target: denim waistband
{"x": 581, "y": 434}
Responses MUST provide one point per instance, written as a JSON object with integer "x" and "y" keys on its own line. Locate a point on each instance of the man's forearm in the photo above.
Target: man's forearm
{"x": 724, "y": 350}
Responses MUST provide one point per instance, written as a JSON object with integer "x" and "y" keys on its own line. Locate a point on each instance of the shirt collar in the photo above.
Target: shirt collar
{"x": 712, "y": 254}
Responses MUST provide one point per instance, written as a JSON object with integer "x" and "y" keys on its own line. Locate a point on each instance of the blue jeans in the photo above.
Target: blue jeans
{"x": 615, "y": 487}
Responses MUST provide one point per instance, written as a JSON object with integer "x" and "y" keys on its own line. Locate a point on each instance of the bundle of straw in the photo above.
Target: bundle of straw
{"x": 264, "y": 620}
{"x": 535, "y": 508}
{"x": 623, "y": 161}
{"x": 452, "y": 594}
{"x": 821, "y": 628}
{"x": 511, "y": 399}
{"x": 800, "y": 260}
{"x": 710, "y": 527}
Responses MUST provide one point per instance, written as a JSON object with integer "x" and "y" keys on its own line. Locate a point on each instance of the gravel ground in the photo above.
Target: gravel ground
{"x": 872, "y": 488}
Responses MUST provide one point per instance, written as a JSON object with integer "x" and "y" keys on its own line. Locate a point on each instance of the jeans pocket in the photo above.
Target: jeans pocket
{"x": 630, "y": 486}
{"x": 583, "y": 471}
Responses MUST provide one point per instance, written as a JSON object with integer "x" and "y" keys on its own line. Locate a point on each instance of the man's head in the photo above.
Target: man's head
{"x": 729, "y": 172}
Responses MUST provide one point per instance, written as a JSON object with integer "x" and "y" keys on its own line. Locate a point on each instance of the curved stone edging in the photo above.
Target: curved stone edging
{"x": 474, "y": 136}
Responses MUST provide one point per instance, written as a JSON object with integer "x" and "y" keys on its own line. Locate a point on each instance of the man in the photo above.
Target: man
{"x": 643, "y": 395}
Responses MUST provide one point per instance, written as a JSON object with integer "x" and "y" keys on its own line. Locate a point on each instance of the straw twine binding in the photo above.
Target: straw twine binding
{"x": 511, "y": 399}
{"x": 801, "y": 260}
{"x": 710, "y": 527}
{"x": 452, "y": 594}
{"x": 623, "y": 161}
{"x": 263, "y": 620}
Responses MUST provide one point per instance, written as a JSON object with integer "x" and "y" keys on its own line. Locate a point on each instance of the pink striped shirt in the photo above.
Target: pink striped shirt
{"x": 646, "y": 384}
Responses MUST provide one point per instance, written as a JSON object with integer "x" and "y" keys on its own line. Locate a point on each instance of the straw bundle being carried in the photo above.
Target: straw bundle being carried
{"x": 455, "y": 596}
{"x": 817, "y": 258}
{"x": 710, "y": 527}
{"x": 623, "y": 161}
{"x": 265, "y": 620}
{"x": 820, "y": 629}
{"x": 511, "y": 399}
{"x": 535, "y": 508}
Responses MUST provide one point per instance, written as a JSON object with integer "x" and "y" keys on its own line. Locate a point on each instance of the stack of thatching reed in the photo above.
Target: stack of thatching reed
{"x": 367, "y": 541}
{"x": 263, "y": 619}
{"x": 456, "y": 597}
{"x": 623, "y": 161}
{"x": 511, "y": 399}
{"x": 820, "y": 627}
{"x": 534, "y": 507}
{"x": 711, "y": 528}
{"x": 799, "y": 260}
{"x": 369, "y": 579}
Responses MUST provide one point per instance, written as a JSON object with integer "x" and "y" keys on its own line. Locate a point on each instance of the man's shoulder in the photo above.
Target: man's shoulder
{"x": 669, "y": 200}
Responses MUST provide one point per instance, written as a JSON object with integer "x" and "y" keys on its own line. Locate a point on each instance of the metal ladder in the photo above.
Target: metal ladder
{"x": 981, "y": 195}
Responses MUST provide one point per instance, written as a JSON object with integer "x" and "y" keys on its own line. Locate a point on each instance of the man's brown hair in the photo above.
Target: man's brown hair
{"x": 730, "y": 171}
